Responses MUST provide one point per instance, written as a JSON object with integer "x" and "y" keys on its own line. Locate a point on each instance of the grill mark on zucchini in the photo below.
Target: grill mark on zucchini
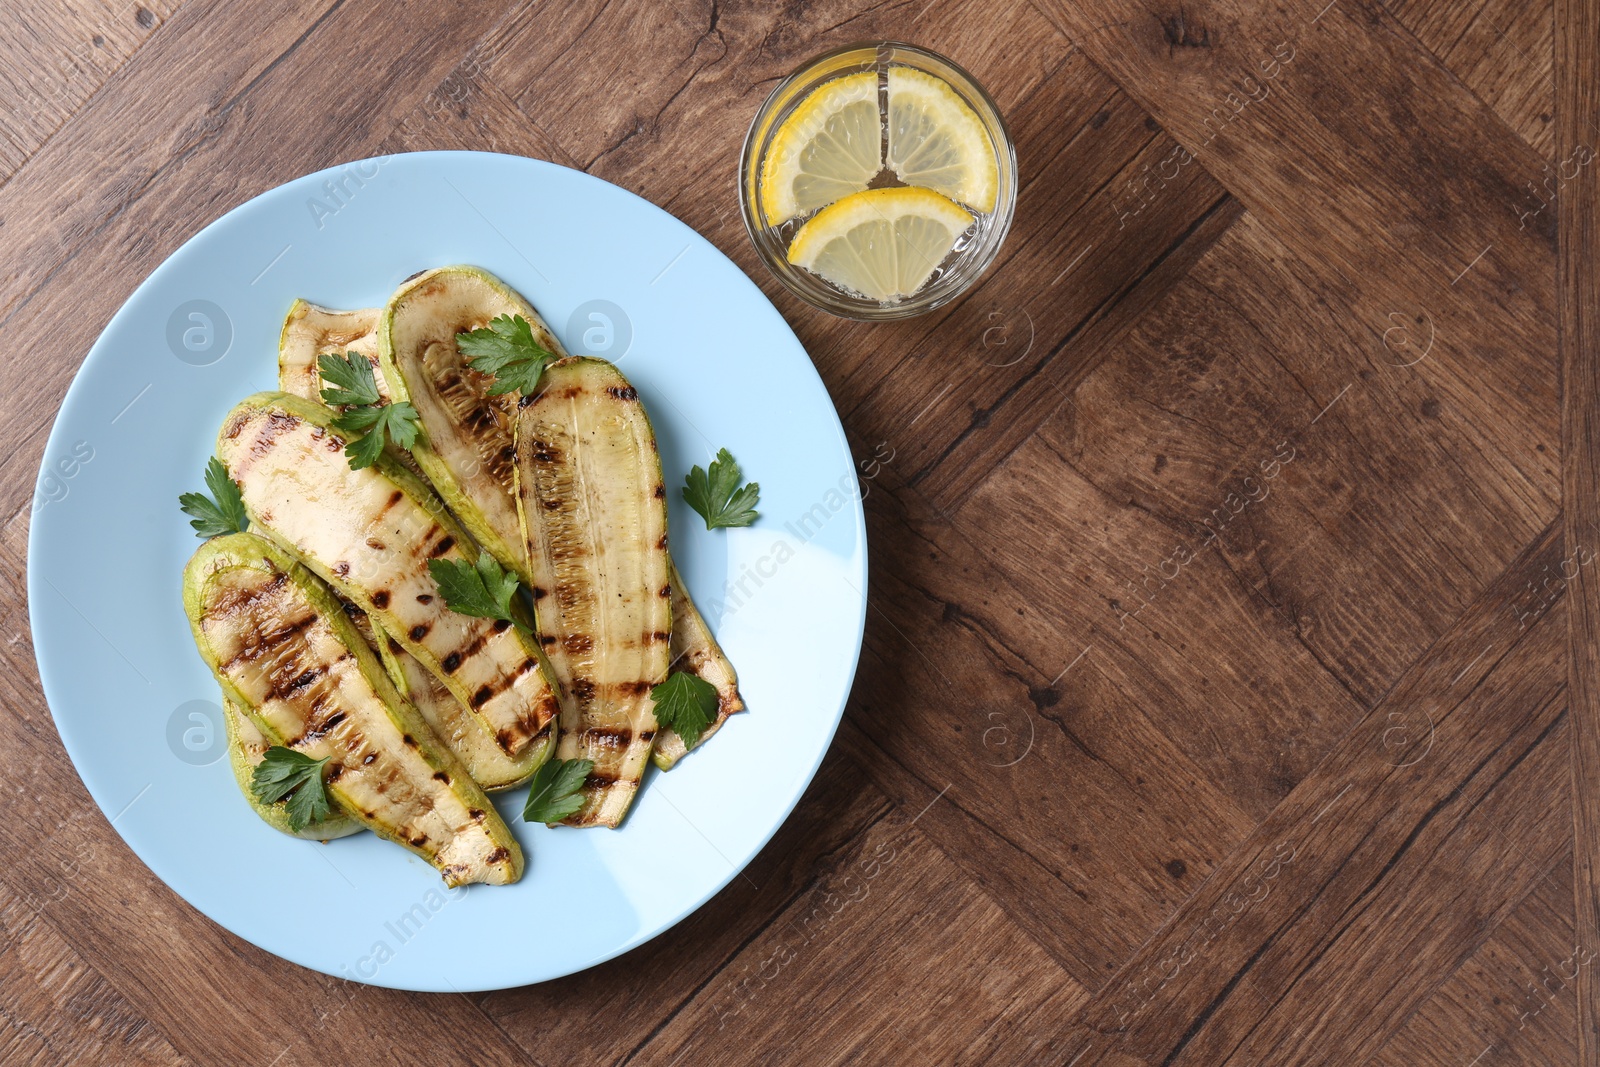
{"x": 271, "y": 642}
{"x": 464, "y": 394}
{"x": 327, "y": 513}
{"x": 456, "y": 727}
{"x": 398, "y": 796}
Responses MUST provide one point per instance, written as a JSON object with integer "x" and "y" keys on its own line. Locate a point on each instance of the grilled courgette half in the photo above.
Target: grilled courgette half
{"x": 594, "y": 514}
{"x": 311, "y": 332}
{"x": 467, "y": 450}
{"x": 246, "y": 746}
{"x": 696, "y": 651}
{"x": 370, "y": 534}
{"x": 286, "y": 653}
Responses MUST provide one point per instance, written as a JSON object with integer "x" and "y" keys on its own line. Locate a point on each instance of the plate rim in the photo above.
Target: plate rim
{"x": 78, "y": 391}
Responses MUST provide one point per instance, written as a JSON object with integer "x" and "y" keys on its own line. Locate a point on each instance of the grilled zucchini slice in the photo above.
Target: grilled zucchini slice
{"x": 285, "y": 652}
{"x": 594, "y": 513}
{"x": 370, "y": 534}
{"x": 467, "y": 451}
{"x": 696, "y": 651}
{"x": 310, "y": 332}
{"x": 246, "y": 746}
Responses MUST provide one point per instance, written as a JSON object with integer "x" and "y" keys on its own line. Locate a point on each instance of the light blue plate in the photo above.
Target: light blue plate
{"x": 614, "y": 276}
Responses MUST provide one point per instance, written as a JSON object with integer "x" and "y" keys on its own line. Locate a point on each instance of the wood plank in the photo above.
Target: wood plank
{"x": 823, "y": 983}
{"x": 1513, "y": 1001}
{"x": 55, "y": 1008}
{"x": 53, "y": 57}
{"x": 1578, "y": 300}
{"x": 468, "y": 113}
{"x": 1397, "y": 857}
{"x": 661, "y": 120}
{"x": 93, "y": 171}
{"x": 952, "y": 404}
{"x": 987, "y": 440}
{"x": 1504, "y": 50}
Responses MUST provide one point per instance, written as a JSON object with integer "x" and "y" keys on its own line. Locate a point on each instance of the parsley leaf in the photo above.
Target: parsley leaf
{"x": 355, "y": 388}
{"x": 352, "y": 383}
{"x": 717, "y": 495}
{"x": 557, "y": 790}
{"x": 396, "y": 422}
{"x": 483, "y": 591}
{"x": 283, "y": 772}
{"x": 507, "y": 350}
{"x": 220, "y": 513}
{"x": 687, "y": 704}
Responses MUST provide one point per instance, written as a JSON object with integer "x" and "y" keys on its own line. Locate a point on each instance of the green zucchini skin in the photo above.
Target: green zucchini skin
{"x": 695, "y": 650}
{"x": 467, "y": 454}
{"x": 370, "y": 534}
{"x": 594, "y": 516}
{"x": 285, "y": 652}
{"x": 246, "y": 746}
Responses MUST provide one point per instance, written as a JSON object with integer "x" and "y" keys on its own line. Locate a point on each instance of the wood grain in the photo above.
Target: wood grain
{"x": 1577, "y": 66}
{"x": 55, "y": 57}
{"x": 1513, "y": 1000}
{"x": 59, "y": 1009}
{"x": 1503, "y": 50}
{"x": 1227, "y": 695}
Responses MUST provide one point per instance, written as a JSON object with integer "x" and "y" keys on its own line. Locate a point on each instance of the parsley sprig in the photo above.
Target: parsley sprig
{"x": 283, "y": 772}
{"x": 506, "y": 349}
{"x": 717, "y": 495}
{"x": 220, "y": 513}
{"x": 483, "y": 590}
{"x": 687, "y": 704}
{"x": 557, "y": 790}
{"x": 353, "y": 387}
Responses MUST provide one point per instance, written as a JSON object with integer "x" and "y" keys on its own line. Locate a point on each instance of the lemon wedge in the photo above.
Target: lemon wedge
{"x": 938, "y": 142}
{"x": 830, "y": 147}
{"x": 881, "y": 243}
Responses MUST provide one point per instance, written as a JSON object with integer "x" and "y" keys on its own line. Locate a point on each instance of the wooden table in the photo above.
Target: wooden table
{"x": 1229, "y": 687}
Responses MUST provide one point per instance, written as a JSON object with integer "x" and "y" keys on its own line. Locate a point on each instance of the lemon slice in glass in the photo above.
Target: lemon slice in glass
{"x": 830, "y": 147}
{"x": 937, "y": 141}
{"x": 881, "y": 243}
